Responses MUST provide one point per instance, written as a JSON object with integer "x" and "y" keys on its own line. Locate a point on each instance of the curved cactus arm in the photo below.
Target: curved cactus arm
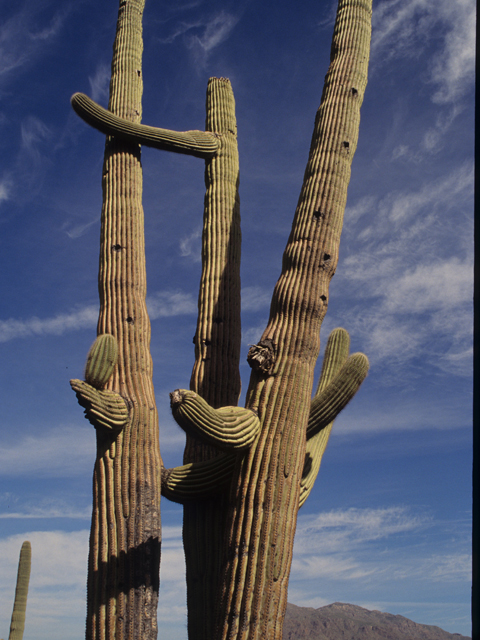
{"x": 198, "y": 480}
{"x": 200, "y": 144}
{"x": 334, "y": 398}
{"x": 17, "y": 625}
{"x": 336, "y": 354}
{"x": 102, "y": 408}
{"x": 228, "y": 428}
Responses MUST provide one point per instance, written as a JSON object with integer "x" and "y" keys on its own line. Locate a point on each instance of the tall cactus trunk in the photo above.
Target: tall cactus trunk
{"x": 123, "y": 571}
{"x": 265, "y": 495}
{"x": 215, "y": 375}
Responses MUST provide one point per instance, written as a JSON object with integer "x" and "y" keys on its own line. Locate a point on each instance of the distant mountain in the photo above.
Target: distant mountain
{"x": 340, "y": 621}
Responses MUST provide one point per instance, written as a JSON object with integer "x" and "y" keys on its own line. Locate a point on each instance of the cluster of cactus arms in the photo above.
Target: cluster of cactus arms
{"x": 17, "y": 625}
{"x": 246, "y": 471}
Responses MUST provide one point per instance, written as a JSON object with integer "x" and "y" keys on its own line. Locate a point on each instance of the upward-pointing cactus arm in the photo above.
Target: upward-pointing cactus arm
{"x": 339, "y": 381}
{"x": 201, "y": 144}
{"x": 103, "y": 408}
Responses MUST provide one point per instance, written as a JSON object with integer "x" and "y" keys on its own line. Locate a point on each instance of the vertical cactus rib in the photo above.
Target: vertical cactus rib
{"x": 265, "y": 502}
{"x": 17, "y": 625}
{"x": 122, "y": 590}
{"x": 215, "y": 375}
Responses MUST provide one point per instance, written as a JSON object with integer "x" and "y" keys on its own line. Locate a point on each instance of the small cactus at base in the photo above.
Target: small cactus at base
{"x": 17, "y": 625}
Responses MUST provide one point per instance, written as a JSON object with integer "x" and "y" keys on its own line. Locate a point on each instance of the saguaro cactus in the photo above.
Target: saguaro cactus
{"x": 246, "y": 472}
{"x": 17, "y": 625}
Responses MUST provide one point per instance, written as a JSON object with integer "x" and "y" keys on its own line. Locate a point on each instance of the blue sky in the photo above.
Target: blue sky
{"x": 388, "y": 523}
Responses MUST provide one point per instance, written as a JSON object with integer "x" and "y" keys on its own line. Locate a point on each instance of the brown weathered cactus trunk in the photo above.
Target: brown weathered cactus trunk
{"x": 265, "y": 497}
{"x": 124, "y": 557}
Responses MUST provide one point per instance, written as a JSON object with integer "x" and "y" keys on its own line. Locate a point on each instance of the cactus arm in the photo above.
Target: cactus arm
{"x": 105, "y": 409}
{"x": 328, "y": 403}
{"x": 200, "y": 144}
{"x": 336, "y": 355}
{"x": 17, "y": 625}
{"x": 101, "y": 360}
{"x": 198, "y": 480}
{"x": 228, "y": 428}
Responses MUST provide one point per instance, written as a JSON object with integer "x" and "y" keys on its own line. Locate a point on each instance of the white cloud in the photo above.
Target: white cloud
{"x": 405, "y": 28}
{"x": 79, "y": 319}
{"x": 168, "y": 303}
{"x": 365, "y": 545}
{"x": 407, "y": 286}
{"x": 22, "y": 39}
{"x": 99, "y": 83}
{"x": 204, "y": 35}
{"x": 63, "y": 451}
{"x": 161, "y": 304}
{"x": 191, "y": 245}
{"x": 255, "y": 298}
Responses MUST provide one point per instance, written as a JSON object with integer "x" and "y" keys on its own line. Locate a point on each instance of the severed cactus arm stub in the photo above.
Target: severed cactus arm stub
{"x": 201, "y": 144}
{"x": 335, "y": 375}
{"x": 103, "y": 408}
{"x": 228, "y": 428}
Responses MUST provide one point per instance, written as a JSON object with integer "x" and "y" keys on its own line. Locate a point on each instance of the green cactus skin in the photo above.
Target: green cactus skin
{"x": 17, "y": 625}
{"x": 266, "y": 486}
{"x": 101, "y": 361}
{"x": 200, "y": 144}
{"x": 228, "y": 428}
{"x": 124, "y": 554}
{"x": 336, "y": 355}
{"x": 198, "y": 480}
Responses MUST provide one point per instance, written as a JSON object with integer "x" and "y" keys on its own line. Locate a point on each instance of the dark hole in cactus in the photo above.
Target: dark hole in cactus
{"x": 323, "y": 298}
{"x": 218, "y": 320}
{"x": 205, "y": 359}
{"x": 326, "y": 256}
{"x": 346, "y": 144}
{"x": 354, "y": 92}
{"x": 207, "y": 343}
{"x": 130, "y": 320}
{"x": 261, "y": 356}
{"x": 117, "y": 247}
{"x": 318, "y": 214}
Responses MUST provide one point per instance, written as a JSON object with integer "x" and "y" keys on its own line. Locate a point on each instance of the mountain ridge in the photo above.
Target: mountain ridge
{"x": 341, "y": 621}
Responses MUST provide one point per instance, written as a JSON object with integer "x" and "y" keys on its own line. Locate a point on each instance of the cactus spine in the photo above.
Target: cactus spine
{"x": 17, "y": 625}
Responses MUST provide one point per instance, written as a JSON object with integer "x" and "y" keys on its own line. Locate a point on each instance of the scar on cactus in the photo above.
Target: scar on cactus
{"x": 17, "y": 625}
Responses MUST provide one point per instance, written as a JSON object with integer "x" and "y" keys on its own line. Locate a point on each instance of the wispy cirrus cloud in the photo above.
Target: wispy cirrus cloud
{"x": 403, "y": 29}
{"x": 160, "y": 305}
{"x": 203, "y": 35}
{"x": 413, "y": 262}
{"x": 26, "y": 34}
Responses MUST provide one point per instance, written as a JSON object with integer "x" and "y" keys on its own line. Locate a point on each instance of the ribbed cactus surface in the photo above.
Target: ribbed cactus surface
{"x": 124, "y": 556}
{"x": 17, "y": 625}
{"x": 266, "y": 492}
